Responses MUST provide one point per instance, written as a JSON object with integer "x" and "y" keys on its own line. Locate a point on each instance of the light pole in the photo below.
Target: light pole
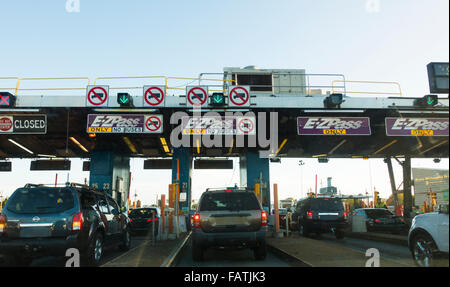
{"x": 301, "y": 163}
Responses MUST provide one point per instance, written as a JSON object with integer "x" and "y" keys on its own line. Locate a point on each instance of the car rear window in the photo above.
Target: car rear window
{"x": 143, "y": 212}
{"x": 41, "y": 200}
{"x": 229, "y": 201}
{"x": 327, "y": 204}
{"x": 378, "y": 213}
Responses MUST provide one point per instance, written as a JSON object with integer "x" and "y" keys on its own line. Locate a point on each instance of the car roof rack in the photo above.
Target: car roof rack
{"x": 28, "y": 185}
{"x": 67, "y": 184}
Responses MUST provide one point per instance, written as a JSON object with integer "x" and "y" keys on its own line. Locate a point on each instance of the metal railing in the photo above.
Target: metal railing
{"x": 127, "y": 78}
{"x": 20, "y": 80}
{"x": 307, "y": 86}
{"x": 9, "y": 79}
{"x": 399, "y": 93}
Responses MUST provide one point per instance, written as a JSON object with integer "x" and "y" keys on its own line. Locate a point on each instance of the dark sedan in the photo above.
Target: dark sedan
{"x": 143, "y": 219}
{"x": 381, "y": 220}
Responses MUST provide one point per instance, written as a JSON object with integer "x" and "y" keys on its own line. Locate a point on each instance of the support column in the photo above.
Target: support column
{"x": 184, "y": 168}
{"x": 253, "y": 170}
{"x": 110, "y": 171}
{"x": 407, "y": 196}
{"x": 392, "y": 180}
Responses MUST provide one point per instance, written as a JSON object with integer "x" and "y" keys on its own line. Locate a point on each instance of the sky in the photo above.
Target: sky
{"x": 378, "y": 40}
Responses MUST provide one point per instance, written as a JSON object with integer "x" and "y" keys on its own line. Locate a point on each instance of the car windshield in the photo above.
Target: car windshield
{"x": 229, "y": 201}
{"x": 327, "y": 204}
{"x": 41, "y": 200}
{"x": 147, "y": 212}
{"x": 378, "y": 213}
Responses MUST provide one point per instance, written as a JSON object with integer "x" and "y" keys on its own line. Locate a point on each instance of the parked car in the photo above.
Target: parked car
{"x": 428, "y": 237}
{"x": 320, "y": 215}
{"x": 41, "y": 221}
{"x": 381, "y": 219}
{"x": 143, "y": 219}
{"x": 229, "y": 218}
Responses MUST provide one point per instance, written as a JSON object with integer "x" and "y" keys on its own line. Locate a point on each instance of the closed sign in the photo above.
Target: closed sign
{"x": 23, "y": 124}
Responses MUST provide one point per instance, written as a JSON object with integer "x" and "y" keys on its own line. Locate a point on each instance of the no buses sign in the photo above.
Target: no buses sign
{"x": 23, "y": 124}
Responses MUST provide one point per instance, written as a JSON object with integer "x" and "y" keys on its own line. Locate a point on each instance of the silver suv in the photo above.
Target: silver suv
{"x": 229, "y": 218}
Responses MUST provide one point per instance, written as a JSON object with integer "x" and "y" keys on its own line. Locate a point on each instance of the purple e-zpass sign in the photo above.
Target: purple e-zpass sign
{"x": 124, "y": 124}
{"x": 417, "y": 126}
{"x": 333, "y": 126}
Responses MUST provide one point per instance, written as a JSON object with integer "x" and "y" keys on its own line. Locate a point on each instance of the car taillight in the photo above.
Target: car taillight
{"x": 377, "y": 220}
{"x": 402, "y": 219}
{"x": 345, "y": 215}
{"x": 131, "y": 220}
{"x": 2, "y": 223}
{"x": 197, "y": 220}
{"x": 263, "y": 218}
{"x": 309, "y": 215}
{"x": 149, "y": 220}
{"x": 77, "y": 221}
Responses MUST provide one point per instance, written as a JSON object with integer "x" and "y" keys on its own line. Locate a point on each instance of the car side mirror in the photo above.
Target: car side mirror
{"x": 443, "y": 208}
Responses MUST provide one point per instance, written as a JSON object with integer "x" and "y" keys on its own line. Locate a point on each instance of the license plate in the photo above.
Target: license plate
{"x": 31, "y": 232}
{"x": 231, "y": 221}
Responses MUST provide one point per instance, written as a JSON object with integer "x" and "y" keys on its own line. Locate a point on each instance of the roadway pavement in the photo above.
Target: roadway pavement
{"x": 390, "y": 251}
{"x": 108, "y": 255}
{"x": 326, "y": 251}
{"x": 229, "y": 258}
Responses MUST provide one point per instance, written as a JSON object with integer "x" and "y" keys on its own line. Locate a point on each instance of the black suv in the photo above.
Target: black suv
{"x": 41, "y": 221}
{"x": 320, "y": 215}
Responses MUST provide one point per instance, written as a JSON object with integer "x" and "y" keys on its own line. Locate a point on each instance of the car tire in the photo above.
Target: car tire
{"x": 423, "y": 250}
{"x": 260, "y": 252}
{"x": 197, "y": 252}
{"x": 95, "y": 250}
{"x": 303, "y": 230}
{"x": 126, "y": 241}
{"x": 340, "y": 234}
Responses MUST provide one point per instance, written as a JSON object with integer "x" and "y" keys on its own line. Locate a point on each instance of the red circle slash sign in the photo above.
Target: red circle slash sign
{"x": 97, "y": 96}
{"x": 200, "y": 96}
{"x": 154, "y": 96}
{"x": 246, "y": 126}
{"x": 153, "y": 124}
{"x": 238, "y": 98}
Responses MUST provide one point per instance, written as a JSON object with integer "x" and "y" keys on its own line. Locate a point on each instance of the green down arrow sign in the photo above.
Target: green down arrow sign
{"x": 123, "y": 99}
{"x": 218, "y": 99}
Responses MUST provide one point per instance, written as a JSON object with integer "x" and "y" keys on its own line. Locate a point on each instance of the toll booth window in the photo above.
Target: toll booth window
{"x": 257, "y": 83}
{"x": 41, "y": 200}
{"x": 229, "y": 201}
{"x": 103, "y": 205}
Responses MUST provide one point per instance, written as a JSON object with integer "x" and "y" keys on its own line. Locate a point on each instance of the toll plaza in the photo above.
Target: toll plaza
{"x": 256, "y": 115}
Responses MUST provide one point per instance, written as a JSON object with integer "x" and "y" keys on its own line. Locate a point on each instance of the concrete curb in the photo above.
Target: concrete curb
{"x": 292, "y": 260}
{"x": 378, "y": 238}
{"x": 172, "y": 259}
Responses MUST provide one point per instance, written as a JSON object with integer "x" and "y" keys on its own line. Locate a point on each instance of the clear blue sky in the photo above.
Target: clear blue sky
{"x": 185, "y": 38}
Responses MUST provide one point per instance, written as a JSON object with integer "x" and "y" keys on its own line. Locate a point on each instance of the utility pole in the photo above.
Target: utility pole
{"x": 301, "y": 163}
